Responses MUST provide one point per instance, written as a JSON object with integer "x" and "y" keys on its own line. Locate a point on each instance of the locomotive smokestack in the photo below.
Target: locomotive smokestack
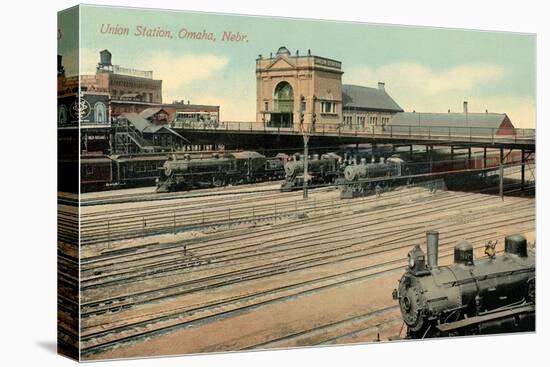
{"x": 432, "y": 244}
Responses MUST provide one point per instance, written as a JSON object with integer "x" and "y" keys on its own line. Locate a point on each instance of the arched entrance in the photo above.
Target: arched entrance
{"x": 282, "y": 114}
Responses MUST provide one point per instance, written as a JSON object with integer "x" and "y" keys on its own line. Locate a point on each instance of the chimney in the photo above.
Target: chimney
{"x": 381, "y": 86}
{"x": 432, "y": 245}
{"x": 465, "y": 106}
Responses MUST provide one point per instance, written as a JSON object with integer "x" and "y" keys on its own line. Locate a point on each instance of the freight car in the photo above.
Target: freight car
{"x": 232, "y": 168}
{"x": 494, "y": 294}
{"x": 321, "y": 170}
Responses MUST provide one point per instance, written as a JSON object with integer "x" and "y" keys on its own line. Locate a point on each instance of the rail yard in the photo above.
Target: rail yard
{"x": 251, "y": 267}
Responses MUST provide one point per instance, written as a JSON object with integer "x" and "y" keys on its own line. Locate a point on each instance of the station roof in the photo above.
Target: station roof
{"x": 144, "y": 126}
{"x": 479, "y": 124}
{"x": 151, "y": 111}
{"x": 365, "y": 98}
{"x": 484, "y": 120}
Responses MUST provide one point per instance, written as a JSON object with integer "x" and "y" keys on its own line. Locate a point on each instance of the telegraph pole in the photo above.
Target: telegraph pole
{"x": 306, "y": 141}
{"x": 501, "y": 174}
{"x": 305, "y": 135}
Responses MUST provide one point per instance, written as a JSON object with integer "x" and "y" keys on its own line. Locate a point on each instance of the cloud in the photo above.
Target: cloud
{"x": 178, "y": 72}
{"x": 417, "y": 87}
{"x": 414, "y": 77}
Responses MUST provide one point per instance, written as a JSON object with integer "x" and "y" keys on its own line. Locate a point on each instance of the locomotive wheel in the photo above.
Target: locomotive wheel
{"x": 217, "y": 181}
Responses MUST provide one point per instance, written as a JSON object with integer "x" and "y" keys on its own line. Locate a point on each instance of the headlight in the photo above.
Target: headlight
{"x": 411, "y": 262}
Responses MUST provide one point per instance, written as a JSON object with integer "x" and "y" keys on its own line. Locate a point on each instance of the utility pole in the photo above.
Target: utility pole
{"x": 501, "y": 173}
{"x": 305, "y": 135}
{"x": 306, "y": 141}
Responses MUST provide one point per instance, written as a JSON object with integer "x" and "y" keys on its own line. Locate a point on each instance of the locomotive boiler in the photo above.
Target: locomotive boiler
{"x": 364, "y": 178}
{"x": 494, "y": 294}
{"x": 232, "y": 168}
{"x": 321, "y": 170}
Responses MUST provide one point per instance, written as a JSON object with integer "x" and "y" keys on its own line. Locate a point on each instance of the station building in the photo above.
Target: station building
{"x": 295, "y": 91}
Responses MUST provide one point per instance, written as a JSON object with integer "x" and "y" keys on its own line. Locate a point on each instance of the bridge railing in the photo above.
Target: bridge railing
{"x": 388, "y": 131}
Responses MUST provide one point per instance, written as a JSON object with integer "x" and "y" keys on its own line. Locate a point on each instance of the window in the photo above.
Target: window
{"x": 266, "y": 106}
{"x": 361, "y": 121}
{"x": 385, "y": 120}
{"x": 328, "y": 107}
{"x": 100, "y": 112}
{"x": 284, "y": 98}
{"x": 89, "y": 170}
{"x": 373, "y": 120}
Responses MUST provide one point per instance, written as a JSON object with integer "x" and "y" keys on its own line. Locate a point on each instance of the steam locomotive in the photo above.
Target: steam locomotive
{"x": 361, "y": 179}
{"x": 494, "y": 294}
{"x": 232, "y": 168}
{"x": 321, "y": 170}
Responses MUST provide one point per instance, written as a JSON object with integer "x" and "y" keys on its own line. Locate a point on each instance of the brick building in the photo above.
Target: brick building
{"x": 294, "y": 90}
{"x": 120, "y": 81}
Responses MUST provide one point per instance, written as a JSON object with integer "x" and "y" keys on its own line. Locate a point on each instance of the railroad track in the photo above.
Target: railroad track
{"x": 195, "y": 217}
{"x": 332, "y": 331}
{"x": 331, "y": 240}
{"x": 101, "y": 339}
{"x": 198, "y": 193}
{"x": 329, "y": 236}
{"x": 296, "y": 263}
{"x": 289, "y": 260}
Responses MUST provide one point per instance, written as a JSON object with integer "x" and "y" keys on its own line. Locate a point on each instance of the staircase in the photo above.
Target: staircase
{"x": 129, "y": 141}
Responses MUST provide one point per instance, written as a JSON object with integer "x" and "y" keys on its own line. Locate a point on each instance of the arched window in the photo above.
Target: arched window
{"x": 284, "y": 98}
{"x": 100, "y": 112}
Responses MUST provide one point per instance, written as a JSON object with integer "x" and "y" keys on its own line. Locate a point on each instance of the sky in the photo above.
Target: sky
{"x": 425, "y": 69}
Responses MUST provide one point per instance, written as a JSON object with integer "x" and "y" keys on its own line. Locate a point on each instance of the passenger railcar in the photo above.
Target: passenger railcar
{"x": 95, "y": 173}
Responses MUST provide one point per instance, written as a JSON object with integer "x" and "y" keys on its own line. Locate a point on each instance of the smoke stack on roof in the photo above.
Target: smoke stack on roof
{"x": 465, "y": 106}
{"x": 382, "y": 86}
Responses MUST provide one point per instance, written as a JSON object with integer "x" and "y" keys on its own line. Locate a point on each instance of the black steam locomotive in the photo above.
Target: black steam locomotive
{"x": 229, "y": 169}
{"x": 364, "y": 178}
{"x": 321, "y": 170}
{"x": 494, "y": 294}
